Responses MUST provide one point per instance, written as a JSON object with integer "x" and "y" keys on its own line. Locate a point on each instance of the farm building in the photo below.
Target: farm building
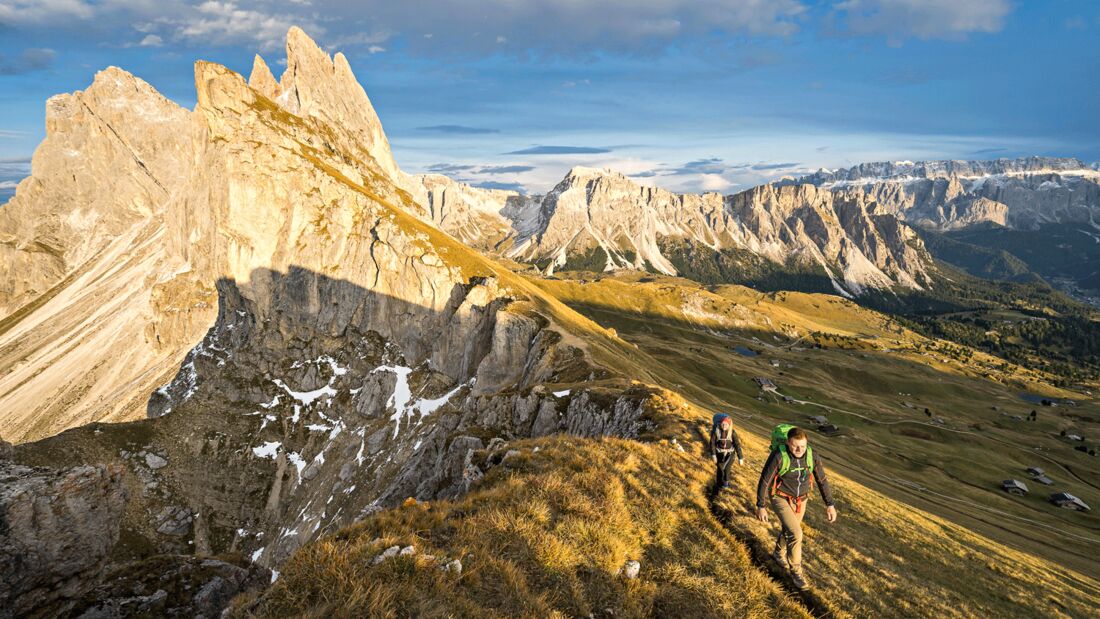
{"x": 765, "y": 384}
{"x": 1066, "y": 500}
{"x": 1013, "y": 486}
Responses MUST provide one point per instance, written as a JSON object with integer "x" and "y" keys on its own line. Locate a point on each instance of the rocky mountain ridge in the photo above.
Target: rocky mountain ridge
{"x": 602, "y": 220}
{"x": 1021, "y": 193}
{"x": 845, "y": 227}
{"x": 358, "y": 354}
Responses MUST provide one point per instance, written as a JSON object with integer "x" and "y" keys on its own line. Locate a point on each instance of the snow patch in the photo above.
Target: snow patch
{"x": 561, "y": 394}
{"x": 297, "y": 461}
{"x": 307, "y": 397}
{"x": 267, "y": 450}
{"x": 402, "y": 400}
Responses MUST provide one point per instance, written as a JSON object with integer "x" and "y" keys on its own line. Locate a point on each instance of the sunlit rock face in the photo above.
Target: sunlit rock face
{"x": 947, "y": 195}
{"x": 340, "y": 351}
{"x": 81, "y": 245}
{"x": 620, "y": 224}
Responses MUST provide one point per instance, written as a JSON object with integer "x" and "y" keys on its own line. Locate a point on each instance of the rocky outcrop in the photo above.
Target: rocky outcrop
{"x": 170, "y": 586}
{"x": 81, "y": 243}
{"x": 56, "y": 530}
{"x": 358, "y": 355}
{"x": 602, "y": 220}
{"x": 947, "y": 195}
{"x": 112, "y": 156}
{"x": 489, "y": 220}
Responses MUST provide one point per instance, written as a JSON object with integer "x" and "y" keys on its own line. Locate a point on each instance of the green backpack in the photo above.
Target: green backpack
{"x": 779, "y": 443}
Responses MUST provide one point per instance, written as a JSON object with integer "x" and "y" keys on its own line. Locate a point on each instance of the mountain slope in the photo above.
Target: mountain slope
{"x": 945, "y": 195}
{"x": 604, "y": 220}
{"x": 358, "y": 356}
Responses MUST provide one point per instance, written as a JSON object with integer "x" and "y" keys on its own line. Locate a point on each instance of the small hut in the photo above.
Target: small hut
{"x": 1013, "y": 486}
{"x": 1066, "y": 500}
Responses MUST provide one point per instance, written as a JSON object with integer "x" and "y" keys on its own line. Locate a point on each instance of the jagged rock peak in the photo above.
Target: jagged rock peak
{"x": 262, "y": 80}
{"x": 584, "y": 172}
{"x": 317, "y": 85}
{"x": 887, "y": 170}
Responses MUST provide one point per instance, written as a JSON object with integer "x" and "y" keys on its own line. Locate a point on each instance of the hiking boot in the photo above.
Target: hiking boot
{"x": 780, "y": 557}
{"x": 799, "y": 579}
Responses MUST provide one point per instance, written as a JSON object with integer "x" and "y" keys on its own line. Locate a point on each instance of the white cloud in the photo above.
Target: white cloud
{"x": 40, "y": 12}
{"x": 569, "y": 27}
{"x": 923, "y": 19}
{"x": 375, "y": 49}
{"x": 8, "y": 184}
{"x": 713, "y": 182}
{"x": 151, "y": 40}
{"x": 225, "y": 23}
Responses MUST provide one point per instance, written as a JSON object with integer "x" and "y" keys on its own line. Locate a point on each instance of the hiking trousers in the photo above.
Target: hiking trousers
{"x": 791, "y": 532}
{"x": 723, "y": 465}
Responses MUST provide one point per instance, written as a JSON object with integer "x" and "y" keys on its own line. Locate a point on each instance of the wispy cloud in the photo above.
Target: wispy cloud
{"x": 458, "y": 129}
{"x": 36, "y": 12}
{"x": 506, "y": 169}
{"x": 899, "y": 20}
{"x": 773, "y": 166}
{"x": 31, "y": 59}
{"x": 496, "y": 185}
{"x": 449, "y": 168}
{"x": 560, "y": 150}
{"x": 228, "y": 23}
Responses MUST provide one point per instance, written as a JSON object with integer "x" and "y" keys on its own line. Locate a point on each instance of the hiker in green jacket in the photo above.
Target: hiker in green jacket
{"x": 785, "y": 482}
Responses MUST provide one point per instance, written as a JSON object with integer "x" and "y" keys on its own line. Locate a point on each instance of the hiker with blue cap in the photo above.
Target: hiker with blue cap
{"x": 723, "y": 445}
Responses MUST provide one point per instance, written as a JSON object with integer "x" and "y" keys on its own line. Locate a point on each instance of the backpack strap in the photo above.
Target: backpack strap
{"x": 785, "y": 467}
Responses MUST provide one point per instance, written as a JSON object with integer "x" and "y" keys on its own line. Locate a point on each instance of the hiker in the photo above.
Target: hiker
{"x": 723, "y": 444}
{"x": 785, "y": 482}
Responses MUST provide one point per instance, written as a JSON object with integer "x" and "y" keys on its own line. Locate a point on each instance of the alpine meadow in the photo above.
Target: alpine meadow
{"x": 633, "y": 309}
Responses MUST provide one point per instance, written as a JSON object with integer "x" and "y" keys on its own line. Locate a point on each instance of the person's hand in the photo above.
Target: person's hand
{"x": 762, "y": 514}
{"x": 830, "y": 513}
{"x": 740, "y": 462}
{"x": 715, "y": 458}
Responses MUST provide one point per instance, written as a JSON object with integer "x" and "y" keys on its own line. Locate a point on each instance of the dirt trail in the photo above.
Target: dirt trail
{"x": 760, "y": 553}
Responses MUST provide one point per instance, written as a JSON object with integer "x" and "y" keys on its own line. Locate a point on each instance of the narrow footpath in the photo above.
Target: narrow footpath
{"x": 760, "y": 553}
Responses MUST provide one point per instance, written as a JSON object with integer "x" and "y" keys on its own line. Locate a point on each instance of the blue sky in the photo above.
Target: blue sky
{"x": 686, "y": 94}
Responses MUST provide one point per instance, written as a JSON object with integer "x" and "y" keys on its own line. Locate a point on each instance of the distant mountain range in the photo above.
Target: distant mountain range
{"x": 848, "y": 231}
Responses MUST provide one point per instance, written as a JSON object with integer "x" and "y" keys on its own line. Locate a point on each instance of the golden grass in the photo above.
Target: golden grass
{"x": 885, "y": 558}
{"x": 543, "y": 537}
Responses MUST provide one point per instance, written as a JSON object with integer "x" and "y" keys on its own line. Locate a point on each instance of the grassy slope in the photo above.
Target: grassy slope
{"x": 544, "y": 536}
{"x": 894, "y": 448}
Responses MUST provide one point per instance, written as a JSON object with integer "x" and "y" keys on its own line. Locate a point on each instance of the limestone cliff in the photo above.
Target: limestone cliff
{"x": 359, "y": 355}
{"x": 81, "y": 243}
{"x": 945, "y": 195}
{"x": 625, "y": 225}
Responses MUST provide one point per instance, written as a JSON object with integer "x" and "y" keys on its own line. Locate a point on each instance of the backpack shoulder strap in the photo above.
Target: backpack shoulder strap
{"x": 785, "y": 461}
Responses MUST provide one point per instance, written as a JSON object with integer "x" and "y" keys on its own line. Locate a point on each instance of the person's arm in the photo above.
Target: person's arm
{"x": 713, "y": 445}
{"x": 737, "y": 447}
{"x": 767, "y": 478}
{"x": 822, "y": 482}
